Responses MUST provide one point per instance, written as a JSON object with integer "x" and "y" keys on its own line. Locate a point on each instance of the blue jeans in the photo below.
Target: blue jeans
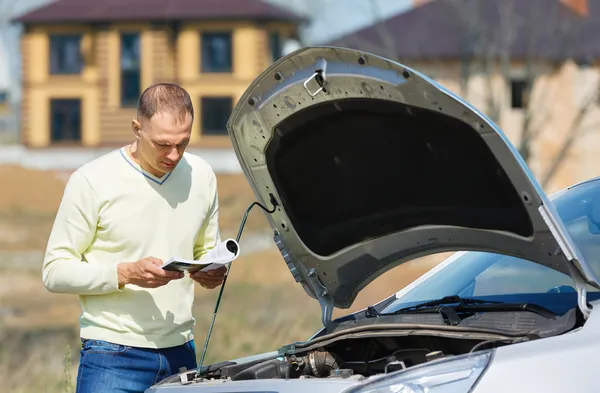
{"x": 115, "y": 368}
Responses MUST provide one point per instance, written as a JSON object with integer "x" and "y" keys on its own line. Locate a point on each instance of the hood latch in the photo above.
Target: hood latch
{"x": 318, "y": 80}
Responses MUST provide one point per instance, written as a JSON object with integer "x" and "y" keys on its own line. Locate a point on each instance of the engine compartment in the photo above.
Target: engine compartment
{"x": 359, "y": 356}
{"x": 364, "y": 347}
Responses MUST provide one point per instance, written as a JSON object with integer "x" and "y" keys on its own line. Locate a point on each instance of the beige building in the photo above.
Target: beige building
{"x": 84, "y": 66}
{"x": 535, "y": 71}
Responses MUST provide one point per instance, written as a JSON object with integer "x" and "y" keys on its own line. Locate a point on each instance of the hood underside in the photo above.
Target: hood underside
{"x": 372, "y": 164}
{"x": 363, "y": 168}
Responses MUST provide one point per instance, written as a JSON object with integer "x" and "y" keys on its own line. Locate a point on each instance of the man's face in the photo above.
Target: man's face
{"x": 162, "y": 141}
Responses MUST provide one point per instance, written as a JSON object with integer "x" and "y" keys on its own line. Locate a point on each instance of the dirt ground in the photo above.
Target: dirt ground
{"x": 29, "y": 200}
{"x": 39, "y": 192}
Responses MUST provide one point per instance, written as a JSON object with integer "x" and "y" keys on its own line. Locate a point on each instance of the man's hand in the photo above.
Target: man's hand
{"x": 210, "y": 279}
{"x": 145, "y": 273}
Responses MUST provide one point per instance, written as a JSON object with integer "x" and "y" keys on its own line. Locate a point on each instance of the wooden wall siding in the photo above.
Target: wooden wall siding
{"x": 163, "y": 57}
{"x": 115, "y": 122}
{"x": 263, "y": 56}
{"x": 102, "y": 61}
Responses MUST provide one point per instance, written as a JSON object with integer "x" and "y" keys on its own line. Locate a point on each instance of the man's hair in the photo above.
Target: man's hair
{"x": 165, "y": 97}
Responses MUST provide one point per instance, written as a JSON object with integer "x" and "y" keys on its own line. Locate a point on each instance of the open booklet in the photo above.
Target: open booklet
{"x": 216, "y": 257}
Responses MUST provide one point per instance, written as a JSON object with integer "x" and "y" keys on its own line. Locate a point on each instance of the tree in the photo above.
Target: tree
{"x": 10, "y": 33}
{"x": 539, "y": 35}
{"x": 7, "y": 8}
{"x": 9, "y": 38}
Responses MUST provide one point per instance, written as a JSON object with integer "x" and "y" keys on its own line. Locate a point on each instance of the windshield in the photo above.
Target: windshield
{"x": 506, "y": 278}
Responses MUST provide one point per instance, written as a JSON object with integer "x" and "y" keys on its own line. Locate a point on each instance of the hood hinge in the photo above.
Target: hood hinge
{"x": 323, "y": 296}
{"x": 314, "y": 285}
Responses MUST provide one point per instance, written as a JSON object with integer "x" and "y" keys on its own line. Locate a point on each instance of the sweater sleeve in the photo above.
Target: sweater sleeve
{"x": 209, "y": 235}
{"x": 65, "y": 269}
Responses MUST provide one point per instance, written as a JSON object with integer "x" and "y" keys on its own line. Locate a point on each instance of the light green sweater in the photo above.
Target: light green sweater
{"x": 112, "y": 211}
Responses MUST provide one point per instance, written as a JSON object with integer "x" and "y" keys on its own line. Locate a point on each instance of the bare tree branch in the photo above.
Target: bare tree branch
{"x": 7, "y": 9}
{"x": 367, "y": 46}
{"x": 470, "y": 39}
{"x": 384, "y": 33}
{"x": 575, "y": 131}
{"x": 542, "y": 114}
{"x": 389, "y": 45}
{"x": 537, "y": 39}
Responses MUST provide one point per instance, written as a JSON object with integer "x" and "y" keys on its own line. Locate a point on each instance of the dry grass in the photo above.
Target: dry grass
{"x": 30, "y": 191}
{"x": 262, "y": 309}
{"x": 34, "y": 363}
{"x": 29, "y": 200}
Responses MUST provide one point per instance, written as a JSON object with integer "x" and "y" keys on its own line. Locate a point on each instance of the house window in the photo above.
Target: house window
{"x": 518, "y": 93}
{"x": 65, "y": 54}
{"x": 130, "y": 69}
{"x": 217, "y": 52}
{"x": 215, "y": 113}
{"x": 275, "y": 45}
{"x": 65, "y": 120}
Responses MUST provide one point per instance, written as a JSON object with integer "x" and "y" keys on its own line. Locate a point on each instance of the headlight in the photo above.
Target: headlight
{"x": 455, "y": 374}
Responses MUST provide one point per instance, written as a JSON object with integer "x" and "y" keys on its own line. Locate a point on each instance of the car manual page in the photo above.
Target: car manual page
{"x": 216, "y": 257}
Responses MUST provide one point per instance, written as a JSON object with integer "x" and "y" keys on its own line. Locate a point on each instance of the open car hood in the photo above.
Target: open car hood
{"x": 371, "y": 164}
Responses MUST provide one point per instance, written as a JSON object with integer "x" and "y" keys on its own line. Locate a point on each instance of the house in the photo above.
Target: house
{"x": 85, "y": 63}
{"x": 532, "y": 66}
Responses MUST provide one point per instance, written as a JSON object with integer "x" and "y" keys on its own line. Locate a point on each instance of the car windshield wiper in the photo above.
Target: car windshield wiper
{"x": 471, "y": 305}
{"x": 462, "y": 301}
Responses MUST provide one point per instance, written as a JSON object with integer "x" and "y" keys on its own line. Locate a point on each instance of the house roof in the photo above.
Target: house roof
{"x": 442, "y": 29}
{"x": 588, "y": 46}
{"x": 77, "y": 11}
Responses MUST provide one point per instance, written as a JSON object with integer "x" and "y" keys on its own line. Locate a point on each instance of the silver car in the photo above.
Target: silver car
{"x": 368, "y": 164}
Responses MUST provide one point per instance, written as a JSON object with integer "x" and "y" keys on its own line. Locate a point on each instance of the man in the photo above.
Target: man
{"x": 121, "y": 216}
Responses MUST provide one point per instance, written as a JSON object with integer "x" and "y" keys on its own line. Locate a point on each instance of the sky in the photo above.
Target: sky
{"x": 9, "y": 43}
{"x": 330, "y": 19}
{"x": 4, "y": 71}
{"x": 335, "y": 18}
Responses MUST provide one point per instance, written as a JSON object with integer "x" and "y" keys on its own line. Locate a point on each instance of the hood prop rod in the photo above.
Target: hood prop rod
{"x": 560, "y": 234}
{"x": 237, "y": 238}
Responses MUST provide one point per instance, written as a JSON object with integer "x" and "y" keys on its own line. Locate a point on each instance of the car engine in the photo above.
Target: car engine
{"x": 362, "y": 348}
{"x": 365, "y": 347}
{"x": 357, "y": 357}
